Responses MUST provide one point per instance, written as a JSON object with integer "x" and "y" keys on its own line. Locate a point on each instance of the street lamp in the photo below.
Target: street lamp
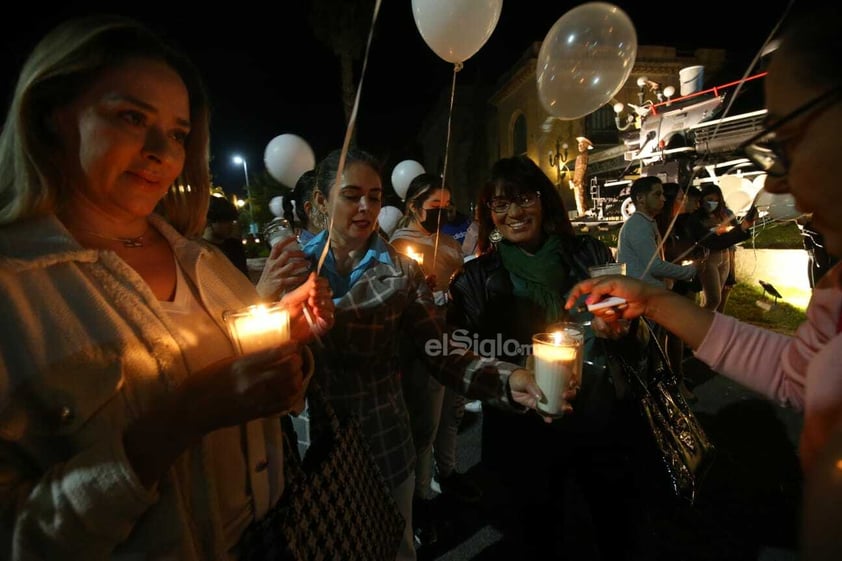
{"x": 237, "y": 159}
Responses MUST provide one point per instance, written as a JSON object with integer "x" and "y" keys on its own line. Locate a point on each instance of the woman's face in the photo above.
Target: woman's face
{"x": 711, "y": 202}
{"x": 355, "y": 204}
{"x": 811, "y": 144}
{"x": 519, "y": 224}
{"x": 439, "y": 198}
{"x": 123, "y": 139}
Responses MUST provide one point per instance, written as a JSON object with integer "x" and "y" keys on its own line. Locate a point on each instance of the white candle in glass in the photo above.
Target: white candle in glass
{"x": 259, "y": 327}
{"x": 558, "y": 360}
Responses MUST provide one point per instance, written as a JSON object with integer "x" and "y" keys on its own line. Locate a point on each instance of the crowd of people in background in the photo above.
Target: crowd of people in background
{"x": 131, "y": 426}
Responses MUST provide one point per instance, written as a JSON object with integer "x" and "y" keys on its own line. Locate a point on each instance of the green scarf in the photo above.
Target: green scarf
{"x": 539, "y": 278}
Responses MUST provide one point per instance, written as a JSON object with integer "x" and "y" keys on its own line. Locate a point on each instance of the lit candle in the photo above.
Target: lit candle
{"x": 259, "y": 327}
{"x": 558, "y": 360}
{"x": 418, "y": 257}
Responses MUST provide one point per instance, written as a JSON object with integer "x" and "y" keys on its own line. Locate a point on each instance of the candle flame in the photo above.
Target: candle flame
{"x": 259, "y": 310}
{"x": 558, "y": 337}
{"x": 417, "y": 257}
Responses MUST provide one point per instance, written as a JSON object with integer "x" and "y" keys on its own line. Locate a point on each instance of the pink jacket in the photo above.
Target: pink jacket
{"x": 803, "y": 371}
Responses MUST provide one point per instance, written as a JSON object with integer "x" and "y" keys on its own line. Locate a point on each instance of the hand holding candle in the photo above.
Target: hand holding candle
{"x": 558, "y": 358}
{"x": 286, "y": 268}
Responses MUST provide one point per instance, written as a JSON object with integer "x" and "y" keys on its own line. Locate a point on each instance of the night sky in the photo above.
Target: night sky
{"x": 267, "y": 75}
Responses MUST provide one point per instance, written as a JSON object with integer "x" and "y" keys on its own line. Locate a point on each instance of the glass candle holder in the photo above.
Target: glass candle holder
{"x": 558, "y": 358}
{"x": 259, "y": 327}
{"x": 278, "y": 230}
{"x": 607, "y": 269}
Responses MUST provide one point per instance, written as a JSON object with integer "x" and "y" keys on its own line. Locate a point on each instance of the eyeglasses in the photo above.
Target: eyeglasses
{"x": 767, "y": 150}
{"x": 523, "y": 200}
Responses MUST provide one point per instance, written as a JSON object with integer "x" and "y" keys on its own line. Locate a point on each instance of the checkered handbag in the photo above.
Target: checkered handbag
{"x": 336, "y": 506}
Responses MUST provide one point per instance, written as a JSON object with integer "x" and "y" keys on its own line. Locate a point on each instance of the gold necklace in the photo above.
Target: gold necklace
{"x": 127, "y": 242}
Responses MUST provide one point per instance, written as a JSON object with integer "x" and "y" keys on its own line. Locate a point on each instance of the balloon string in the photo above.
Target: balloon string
{"x": 348, "y": 134}
{"x": 456, "y": 68}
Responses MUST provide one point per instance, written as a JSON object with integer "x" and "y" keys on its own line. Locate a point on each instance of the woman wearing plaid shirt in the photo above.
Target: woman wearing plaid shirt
{"x": 381, "y": 297}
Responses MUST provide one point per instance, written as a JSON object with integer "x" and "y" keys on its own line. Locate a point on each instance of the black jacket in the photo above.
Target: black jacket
{"x": 697, "y": 228}
{"x": 483, "y": 303}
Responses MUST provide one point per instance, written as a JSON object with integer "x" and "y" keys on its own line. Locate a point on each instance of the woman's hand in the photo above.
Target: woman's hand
{"x": 635, "y": 292}
{"x": 680, "y": 315}
{"x": 526, "y": 392}
{"x": 313, "y": 297}
{"x": 237, "y": 390}
{"x": 286, "y": 268}
{"x": 227, "y": 393}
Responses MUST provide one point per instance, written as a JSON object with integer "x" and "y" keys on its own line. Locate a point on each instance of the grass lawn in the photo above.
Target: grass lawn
{"x": 782, "y": 317}
{"x": 742, "y": 303}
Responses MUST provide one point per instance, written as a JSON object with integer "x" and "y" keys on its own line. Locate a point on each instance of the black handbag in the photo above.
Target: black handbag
{"x": 680, "y": 447}
{"x": 336, "y": 505}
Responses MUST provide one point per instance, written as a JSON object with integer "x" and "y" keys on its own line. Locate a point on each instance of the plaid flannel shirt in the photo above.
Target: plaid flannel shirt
{"x": 383, "y": 300}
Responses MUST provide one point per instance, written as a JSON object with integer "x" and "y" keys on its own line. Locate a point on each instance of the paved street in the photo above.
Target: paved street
{"x": 747, "y": 509}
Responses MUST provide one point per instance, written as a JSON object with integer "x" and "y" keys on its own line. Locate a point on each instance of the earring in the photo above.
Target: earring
{"x": 318, "y": 218}
{"x": 495, "y": 236}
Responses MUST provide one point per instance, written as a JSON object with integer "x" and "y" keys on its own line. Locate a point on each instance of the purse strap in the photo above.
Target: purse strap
{"x": 316, "y": 394}
{"x": 293, "y": 461}
{"x": 653, "y": 351}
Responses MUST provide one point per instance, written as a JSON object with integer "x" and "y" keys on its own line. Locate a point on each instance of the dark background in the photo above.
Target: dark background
{"x": 268, "y": 75}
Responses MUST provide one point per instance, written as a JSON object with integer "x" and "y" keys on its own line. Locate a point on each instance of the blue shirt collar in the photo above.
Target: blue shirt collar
{"x": 377, "y": 252}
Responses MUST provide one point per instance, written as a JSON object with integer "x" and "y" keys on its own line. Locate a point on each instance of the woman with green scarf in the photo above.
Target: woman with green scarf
{"x": 530, "y": 259}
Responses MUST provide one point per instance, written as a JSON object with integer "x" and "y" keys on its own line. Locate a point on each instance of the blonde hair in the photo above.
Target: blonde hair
{"x": 420, "y": 189}
{"x": 57, "y": 71}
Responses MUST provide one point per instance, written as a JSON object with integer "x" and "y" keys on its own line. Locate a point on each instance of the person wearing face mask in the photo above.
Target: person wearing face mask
{"x": 382, "y": 301}
{"x": 715, "y": 228}
{"x": 435, "y": 411}
{"x": 798, "y": 148}
{"x": 419, "y": 231}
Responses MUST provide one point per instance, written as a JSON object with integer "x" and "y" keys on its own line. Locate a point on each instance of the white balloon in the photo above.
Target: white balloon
{"x": 758, "y": 182}
{"x": 776, "y": 206}
{"x": 388, "y": 218}
{"x": 287, "y": 156}
{"x": 740, "y": 201}
{"x": 456, "y": 29}
{"x": 736, "y": 191}
{"x": 585, "y": 59}
{"x": 403, "y": 174}
{"x": 730, "y": 183}
{"x": 276, "y": 206}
